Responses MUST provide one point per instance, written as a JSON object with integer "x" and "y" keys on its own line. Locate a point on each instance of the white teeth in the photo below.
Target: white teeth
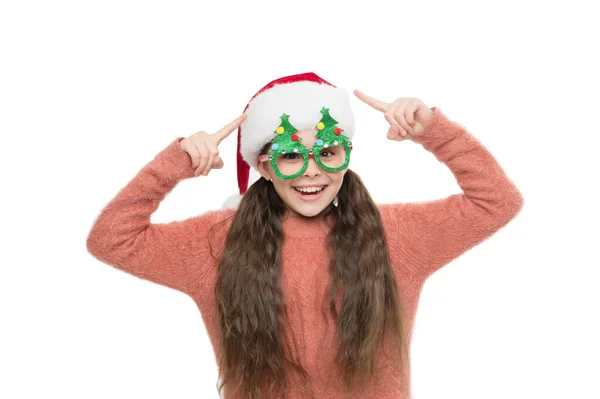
{"x": 309, "y": 189}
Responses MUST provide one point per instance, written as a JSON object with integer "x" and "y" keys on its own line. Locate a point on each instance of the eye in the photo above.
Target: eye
{"x": 289, "y": 156}
{"x": 325, "y": 152}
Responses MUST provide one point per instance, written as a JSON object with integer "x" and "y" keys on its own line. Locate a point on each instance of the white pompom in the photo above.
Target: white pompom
{"x": 232, "y": 201}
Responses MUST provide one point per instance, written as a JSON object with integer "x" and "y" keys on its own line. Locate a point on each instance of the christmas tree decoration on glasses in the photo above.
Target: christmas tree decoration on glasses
{"x": 289, "y": 157}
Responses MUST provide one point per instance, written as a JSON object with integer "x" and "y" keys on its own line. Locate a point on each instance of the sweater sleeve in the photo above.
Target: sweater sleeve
{"x": 168, "y": 254}
{"x": 433, "y": 233}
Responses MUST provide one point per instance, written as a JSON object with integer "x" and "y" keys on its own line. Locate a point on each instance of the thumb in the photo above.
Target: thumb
{"x": 217, "y": 162}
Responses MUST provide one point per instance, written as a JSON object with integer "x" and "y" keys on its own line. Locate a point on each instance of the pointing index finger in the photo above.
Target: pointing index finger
{"x": 373, "y": 102}
{"x": 230, "y": 127}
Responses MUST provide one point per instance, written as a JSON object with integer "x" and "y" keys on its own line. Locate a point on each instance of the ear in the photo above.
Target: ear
{"x": 264, "y": 170}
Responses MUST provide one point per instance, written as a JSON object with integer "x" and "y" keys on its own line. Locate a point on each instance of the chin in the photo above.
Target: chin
{"x": 309, "y": 210}
{"x": 309, "y": 213}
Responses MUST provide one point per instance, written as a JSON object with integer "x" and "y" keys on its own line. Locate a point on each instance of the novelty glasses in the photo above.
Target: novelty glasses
{"x": 289, "y": 157}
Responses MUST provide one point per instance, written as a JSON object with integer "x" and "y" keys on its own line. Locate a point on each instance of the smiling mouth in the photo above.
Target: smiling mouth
{"x": 312, "y": 192}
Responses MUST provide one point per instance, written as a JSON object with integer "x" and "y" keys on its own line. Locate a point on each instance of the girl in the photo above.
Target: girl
{"x": 306, "y": 286}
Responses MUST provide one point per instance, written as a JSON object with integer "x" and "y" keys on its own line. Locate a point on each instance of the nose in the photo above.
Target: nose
{"x": 313, "y": 168}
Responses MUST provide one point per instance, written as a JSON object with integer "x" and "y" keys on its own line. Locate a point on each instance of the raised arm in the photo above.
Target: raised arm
{"x": 431, "y": 234}
{"x": 165, "y": 253}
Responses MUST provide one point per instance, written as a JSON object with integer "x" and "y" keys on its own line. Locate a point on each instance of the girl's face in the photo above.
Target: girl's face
{"x": 305, "y": 204}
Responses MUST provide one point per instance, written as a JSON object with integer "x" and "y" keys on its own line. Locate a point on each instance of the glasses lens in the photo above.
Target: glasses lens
{"x": 289, "y": 164}
{"x": 333, "y": 156}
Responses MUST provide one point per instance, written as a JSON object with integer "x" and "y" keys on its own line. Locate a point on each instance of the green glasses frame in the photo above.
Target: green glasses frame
{"x": 308, "y": 153}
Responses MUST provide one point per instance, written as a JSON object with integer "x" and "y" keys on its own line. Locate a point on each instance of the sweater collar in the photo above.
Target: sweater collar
{"x": 302, "y": 226}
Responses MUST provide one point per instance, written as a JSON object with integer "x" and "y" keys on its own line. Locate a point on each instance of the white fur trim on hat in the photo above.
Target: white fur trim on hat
{"x": 302, "y": 101}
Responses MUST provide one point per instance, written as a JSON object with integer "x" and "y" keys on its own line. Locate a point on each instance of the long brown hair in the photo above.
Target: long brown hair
{"x": 249, "y": 297}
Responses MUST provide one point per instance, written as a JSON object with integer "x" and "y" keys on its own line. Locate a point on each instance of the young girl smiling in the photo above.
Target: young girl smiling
{"x": 307, "y": 287}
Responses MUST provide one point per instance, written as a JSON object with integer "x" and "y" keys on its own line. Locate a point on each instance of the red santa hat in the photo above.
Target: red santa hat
{"x": 301, "y": 96}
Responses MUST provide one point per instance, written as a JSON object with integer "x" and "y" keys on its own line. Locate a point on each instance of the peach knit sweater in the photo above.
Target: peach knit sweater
{"x": 422, "y": 237}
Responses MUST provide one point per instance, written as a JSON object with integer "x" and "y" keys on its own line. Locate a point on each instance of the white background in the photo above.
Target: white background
{"x": 92, "y": 91}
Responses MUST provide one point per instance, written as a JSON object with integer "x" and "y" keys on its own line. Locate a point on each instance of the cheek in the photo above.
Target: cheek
{"x": 338, "y": 178}
{"x": 339, "y": 181}
{"x": 281, "y": 186}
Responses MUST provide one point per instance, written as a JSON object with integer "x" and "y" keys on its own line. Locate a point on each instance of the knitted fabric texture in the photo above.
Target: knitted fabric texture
{"x": 422, "y": 237}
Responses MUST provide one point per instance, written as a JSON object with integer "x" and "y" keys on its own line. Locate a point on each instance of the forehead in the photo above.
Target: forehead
{"x": 308, "y": 136}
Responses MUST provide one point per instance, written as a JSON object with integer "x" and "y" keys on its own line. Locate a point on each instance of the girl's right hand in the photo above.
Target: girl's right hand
{"x": 202, "y": 147}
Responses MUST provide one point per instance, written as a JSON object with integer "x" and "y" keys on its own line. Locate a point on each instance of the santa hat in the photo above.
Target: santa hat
{"x": 302, "y": 97}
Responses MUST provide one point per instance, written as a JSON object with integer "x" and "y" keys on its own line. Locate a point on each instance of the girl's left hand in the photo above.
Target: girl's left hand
{"x": 407, "y": 116}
